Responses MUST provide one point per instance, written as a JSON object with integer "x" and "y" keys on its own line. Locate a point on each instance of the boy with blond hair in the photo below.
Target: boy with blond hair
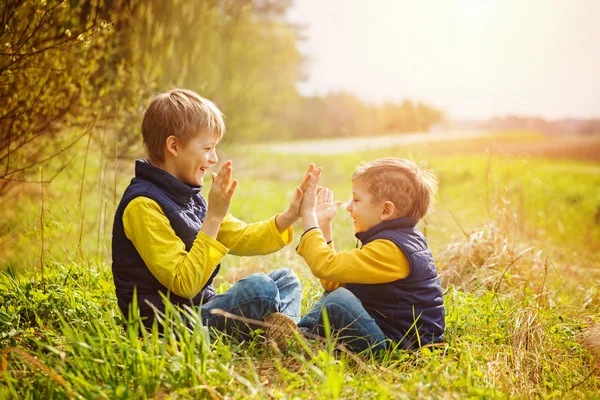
{"x": 169, "y": 241}
{"x": 387, "y": 291}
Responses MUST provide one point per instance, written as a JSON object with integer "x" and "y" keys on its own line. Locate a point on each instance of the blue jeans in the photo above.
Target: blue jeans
{"x": 348, "y": 319}
{"x": 255, "y": 297}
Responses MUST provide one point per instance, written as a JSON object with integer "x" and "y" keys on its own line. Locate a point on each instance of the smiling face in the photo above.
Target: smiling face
{"x": 364, "y": 209}
{"x": 180, "y": 131}
{"x": 194, "y": 158}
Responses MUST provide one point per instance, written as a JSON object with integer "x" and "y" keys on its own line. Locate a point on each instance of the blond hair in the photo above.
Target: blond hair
{"x": 181, "y": 113}
{"x": 410, "y": 187}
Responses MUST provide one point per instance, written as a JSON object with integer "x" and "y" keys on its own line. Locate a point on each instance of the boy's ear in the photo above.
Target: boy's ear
{"x": 388, "y": 211}
{"x": 171, "y": 145}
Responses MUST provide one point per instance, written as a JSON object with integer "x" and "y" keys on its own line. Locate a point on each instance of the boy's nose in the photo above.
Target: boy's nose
{"x": 349, "y": 207}
{"x": 213, "y": 159}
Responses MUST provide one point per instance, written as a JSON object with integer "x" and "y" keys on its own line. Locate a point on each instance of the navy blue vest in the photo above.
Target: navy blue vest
{"x": 409, "y": 305}
{"x": 185, "y": 207}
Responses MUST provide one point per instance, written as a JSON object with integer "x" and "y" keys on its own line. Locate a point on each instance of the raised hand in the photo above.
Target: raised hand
{"x": 291, "y": 215}
{"x": 221, "y": 191}
{"x": 294, "y": 208}
{"x": 309, "y": 199}
{"x": 326, "y": 207}
{"x": 219, "y": 199}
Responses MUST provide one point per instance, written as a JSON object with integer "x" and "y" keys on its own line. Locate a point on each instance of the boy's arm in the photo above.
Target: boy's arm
{"x": 380, "y": 261}
{"x": 326, "y": 228}
{"x": 183, "y": 273}
{"x": 330, "y": 286}
{"x": 252, "y": 239}
{"x": 263, "y": 237}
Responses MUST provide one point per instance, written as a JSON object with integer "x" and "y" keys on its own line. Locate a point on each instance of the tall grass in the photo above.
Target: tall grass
{"x": 72, "y": 342}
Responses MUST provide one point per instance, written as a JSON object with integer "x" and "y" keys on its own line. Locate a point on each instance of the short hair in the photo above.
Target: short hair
{"x": 181, "y": 113}
{"x": 411, "y": 188}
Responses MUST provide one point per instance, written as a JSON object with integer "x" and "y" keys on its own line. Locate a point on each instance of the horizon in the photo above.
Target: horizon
{"x": 471, "y": 59}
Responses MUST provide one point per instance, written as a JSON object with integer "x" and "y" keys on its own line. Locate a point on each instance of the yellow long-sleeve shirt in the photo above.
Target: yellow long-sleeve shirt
{"x": 379, "y": 261}
{"x": 186, "y": 272}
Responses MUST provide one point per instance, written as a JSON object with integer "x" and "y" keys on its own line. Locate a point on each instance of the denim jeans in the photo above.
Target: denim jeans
{"x": 255, "y": 297}
{"x": 348, "y": 320}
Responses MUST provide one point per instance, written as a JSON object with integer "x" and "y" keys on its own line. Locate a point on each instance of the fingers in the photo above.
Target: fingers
{"x": 227, "y": 174}
{"x": 298, "y": 193}
{"x": 324, "y": 195}
{"x": 317, "y": 173}
{"x": 297, "y": 199}
{"x": 311, "y": 187}
{"x": 310, "y": 183}
{"x": 311, "y": 168}
{"x": 227, "y": 163}
{"x": 224, "y": 167}
{"x": 320, "y": 194}
{"x": 221, "y": 190}
{"x": 222, "y": 179}
{"x": 232, "y": 188}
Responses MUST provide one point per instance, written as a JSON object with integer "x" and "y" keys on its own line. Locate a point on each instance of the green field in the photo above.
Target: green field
{"x": 515, "y": 233}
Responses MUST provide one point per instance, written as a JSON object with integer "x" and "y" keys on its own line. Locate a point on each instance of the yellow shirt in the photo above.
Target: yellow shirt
{"x": 379, "y": 261}
{"x": 186, "y": 272}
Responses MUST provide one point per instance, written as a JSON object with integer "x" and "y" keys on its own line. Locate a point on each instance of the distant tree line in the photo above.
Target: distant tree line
{"x": 65, "y": 65}
{"x": 342, "y": 114}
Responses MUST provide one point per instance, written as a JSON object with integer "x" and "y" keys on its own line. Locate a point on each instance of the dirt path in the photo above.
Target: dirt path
{"x": 566, "y": 147}
{"x": 354, "y": 144}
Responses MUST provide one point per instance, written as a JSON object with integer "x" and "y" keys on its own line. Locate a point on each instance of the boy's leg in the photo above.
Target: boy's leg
{"x": 290, "y": 292}
{"x": 313, "y": 318}
{"x": 253, "y": 297}
{"x": 347, "y": 318}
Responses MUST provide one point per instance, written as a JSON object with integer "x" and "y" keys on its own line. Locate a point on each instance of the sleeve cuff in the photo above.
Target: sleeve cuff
{"x": 307, "y": 233}
{"x": 308, "y": 230}
{"x": 284, "y": 238}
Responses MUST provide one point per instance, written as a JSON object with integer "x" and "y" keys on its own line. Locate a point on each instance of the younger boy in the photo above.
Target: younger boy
{"x": 166, "y": 238}
{"x": 388, "y": 289}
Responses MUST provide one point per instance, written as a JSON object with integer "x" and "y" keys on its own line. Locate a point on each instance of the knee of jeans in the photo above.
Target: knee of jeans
{"x": 288, "y": 273}
{"x": 340, "y": 296}
{"x": 260, "y": 285}
{"x": 290, "y": 277}
{"x": 285, "y": 273}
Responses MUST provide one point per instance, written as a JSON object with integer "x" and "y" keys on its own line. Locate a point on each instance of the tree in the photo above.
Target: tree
{"x": 408, "y": 117}
{"x": 50, "y": 56}
{"x": 237, "y": 53}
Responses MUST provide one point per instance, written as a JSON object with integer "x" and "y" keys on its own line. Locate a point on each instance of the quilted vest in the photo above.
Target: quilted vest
{"x": 409, "y": 310}
{"x": 185, "y": 207}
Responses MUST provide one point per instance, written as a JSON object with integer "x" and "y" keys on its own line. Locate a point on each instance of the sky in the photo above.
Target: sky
{"x": 470, "y": 58}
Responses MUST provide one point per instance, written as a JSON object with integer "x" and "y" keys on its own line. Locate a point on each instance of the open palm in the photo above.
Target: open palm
{"x": 326, "y": 206}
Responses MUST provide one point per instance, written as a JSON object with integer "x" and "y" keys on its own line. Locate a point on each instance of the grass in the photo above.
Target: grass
{"x": 515, "y": 239}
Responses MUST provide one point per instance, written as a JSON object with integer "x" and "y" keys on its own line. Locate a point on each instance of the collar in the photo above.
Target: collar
{"x": 165, "y": 181}
{"x": 397, "y": 223}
